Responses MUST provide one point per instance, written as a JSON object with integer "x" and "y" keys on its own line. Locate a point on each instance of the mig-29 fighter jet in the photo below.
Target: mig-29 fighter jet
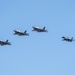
{"x": 2, "y": 43}
{"x": 67, "y": 39}
{"x": 35, "y": 28}
{"x": 17, "y": 32}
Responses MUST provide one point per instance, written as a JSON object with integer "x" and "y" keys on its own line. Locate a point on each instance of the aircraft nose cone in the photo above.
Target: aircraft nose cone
{"x": 33, "y": 27}
{"x": 14, "y": 30}
{"x": 63, "y": 37}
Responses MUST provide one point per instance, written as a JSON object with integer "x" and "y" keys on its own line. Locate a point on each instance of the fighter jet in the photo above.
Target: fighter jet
{"x": 2, "y": 43}
{"x": 17, "y": 32}
{"x": 35, "y": 28}
{"x": 67, "y": 39}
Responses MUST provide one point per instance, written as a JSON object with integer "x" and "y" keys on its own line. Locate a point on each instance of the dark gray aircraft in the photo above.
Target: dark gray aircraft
{"x": 35, "y": 28}
{"x": 2, "y": 43}
{"x": 17, "y": 32}
{"x": 67, "y": 39}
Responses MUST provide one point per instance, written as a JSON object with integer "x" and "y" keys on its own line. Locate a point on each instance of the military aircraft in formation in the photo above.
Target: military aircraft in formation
{"x": 18, "y": 32}
{"x": 2, "y": 43}
{"x": 67, "y": 39}
{"x": 35, "y": 28}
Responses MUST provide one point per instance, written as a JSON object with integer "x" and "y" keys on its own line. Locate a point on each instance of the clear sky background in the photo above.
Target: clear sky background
{"x": 39, "y": 53}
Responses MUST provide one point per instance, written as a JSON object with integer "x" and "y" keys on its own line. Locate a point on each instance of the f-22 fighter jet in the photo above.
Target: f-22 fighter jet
{"x": 2, "y": 43}
{"x": 35, "y": 28}
{"x": 17, "y": 32}
{"x": 67, "y": 39}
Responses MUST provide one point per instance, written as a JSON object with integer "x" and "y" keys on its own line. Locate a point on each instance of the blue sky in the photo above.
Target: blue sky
{"x": 39, "y": 53}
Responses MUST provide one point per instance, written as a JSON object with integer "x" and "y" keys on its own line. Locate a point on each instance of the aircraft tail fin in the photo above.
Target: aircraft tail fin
{"x": 44, "y": 28}
{"x": 72, "y": 38}
{"x": 25, "y": 31}
{"x": 6, "y": 40}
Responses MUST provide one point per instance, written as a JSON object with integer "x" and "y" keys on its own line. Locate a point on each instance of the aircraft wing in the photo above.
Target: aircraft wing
{"x": 35, "y": 27}
{"x": 17, "y": 31}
